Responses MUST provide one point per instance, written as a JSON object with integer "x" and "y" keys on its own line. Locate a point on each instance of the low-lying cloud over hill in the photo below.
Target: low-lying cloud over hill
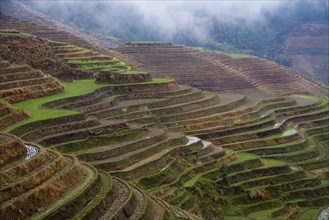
{"x": 161, "y": 19}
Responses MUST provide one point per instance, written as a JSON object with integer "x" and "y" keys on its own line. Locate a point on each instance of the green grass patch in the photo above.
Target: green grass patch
{"x": 200, "y": 49}
{"x": 101, "y": 196}
{"x": 93, "y": 67}
{"x": 235, "y": 218}
{"x": 308, "y": 97}
{"x": 192, "y": 181}
{"x": 38, "y": 112}
{"x": 241, "y": 55}
{"x": 242, "y": 157}
{"x": 308, "y": 213}
{"x": 13, "y": 32}
{"x": 68, "y": 195}
{"x": 88, "y": 62}
{"x": 273, "y": 163}
{"x": 261, "y": 215}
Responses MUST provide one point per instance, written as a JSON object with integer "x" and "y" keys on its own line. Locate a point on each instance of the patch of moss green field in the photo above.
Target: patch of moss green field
{"x": 308, "y": 213}
{"x": 81, "y": 87}
{"x": 241, "y": 55}
{"x": 235, "y": 55}
{"x": 13, "y": 32}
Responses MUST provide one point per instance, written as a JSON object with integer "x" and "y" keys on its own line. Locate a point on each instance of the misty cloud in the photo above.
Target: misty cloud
{"x": 159, "y": 20}
{"x": 165, "y": 17}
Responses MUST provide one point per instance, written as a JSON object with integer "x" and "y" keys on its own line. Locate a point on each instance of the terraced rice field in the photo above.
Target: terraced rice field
{"x": 19, "y": 83}
{"x": 220, "y": 72}
{"x": 107, "y": 69}
{"x": 245, "y": 157}
{"x": 156, "y": 149}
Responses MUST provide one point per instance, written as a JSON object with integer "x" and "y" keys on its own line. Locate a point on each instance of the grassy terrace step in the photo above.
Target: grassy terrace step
{"x": 286, "y": 187}
{"x": 279, "y": 190}
{"x": 177, "y": 118}
{"x": 67, "y": 50}
{"x": 20, "y": 75}
{"x": 47, "y": 131}
{"x": 175, "y": 97}
{"x": 14, "y": 69}
{"x": 88, "y": 58}
{"x": 83, "y": 133}
{"x": 11, "y": 116}
{"x": 105, "y": 103}
{"x": 268, "y": 179}
{"x": 114, "y": 71}
{"x": 295, "y": 156}
{"x": 215, "y": 154}
{"x": 79, "y": 63}
{"x": 37, "y": 112}
{"x": 268, "y": 204}
{"x": 190, "y": 183}
{"x": 155, "y": 209}
{"x": 98, "y": 204}
{"x": 237, "y": 130}
{"x": 37, "y": 126}
{"x": 321, "y": 160}
{"x": 122, "y": 205}
{"x": 84, "y": 103}
{"x": 156, "y": 161}
{"x": 61, "y": 207}
{"x": 249, "y": 135}
{"x": 81, "y": 143}
{"x": 11, "y": 148}
{"x": 23, "y": 82}
{"x": 279, "y": 149}
{"x": 302, "y": 110}
{"x": 78, "y": 54}
{"x": 174, "y": 109}
{"x": 305, "y": 154}
{"x": 128, "y": 109}
{"x": 163, "y": 175}
{"x": 192, "y": 174}
{"x": 35, "y": 90}
{"x": 262, "y": 142}
{"x": 100, "y": 153}
{"x": 21, "y": 167}
{"x": 270, "y": 167}
{"x": 33, "y": 179}
{"x": 255, "y": 115}
{"x": 56, "y": 185}
{"x": 308, "y": 193}
{"x": 156, "y": 106}
{"x": 320, "y": 201}
{"x": 262, "y": 132}
{"x": 139, "y": 155}
{"x": 142, "y": 202}
{"x": 157, "y": 84}
{"x": 213, "y": 122}
{"x": 308, "y": 213}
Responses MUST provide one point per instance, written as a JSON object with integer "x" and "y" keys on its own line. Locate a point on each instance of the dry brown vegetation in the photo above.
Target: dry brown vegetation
{"x": 9, "y": 115}
{"x": 36, "y": 52}
{"x": 258, "y": 194}
{"x": 44, "y": 194}
{"x": 11, "y": 150}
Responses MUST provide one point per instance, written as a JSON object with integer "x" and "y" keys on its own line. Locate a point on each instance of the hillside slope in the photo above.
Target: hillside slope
{"x": 308, "y": 48}
{"x": 275, "y": 33}
{"x": 219, "y": 72}
{"x": 22, "y": 11}
{"x": 153, "y": 149}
